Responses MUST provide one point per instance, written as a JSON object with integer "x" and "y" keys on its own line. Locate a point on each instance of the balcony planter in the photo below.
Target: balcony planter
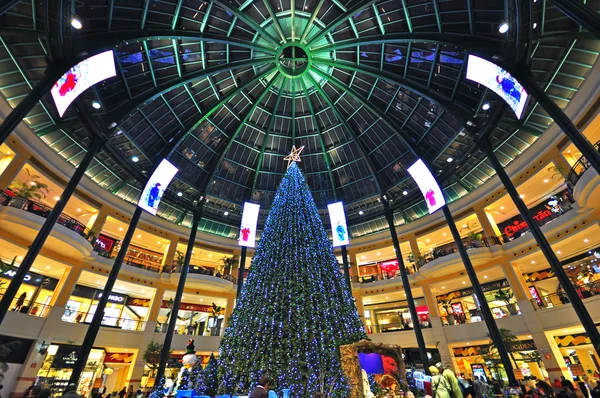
{"x": 512, "y": 309}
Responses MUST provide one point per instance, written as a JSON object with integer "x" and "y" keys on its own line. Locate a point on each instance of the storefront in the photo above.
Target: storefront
{"x": 58, "y": 367}
{"x": 390, "y": 317}
{"x": 192, "y": 319}
{"x": 543, "y": 213}
{"x": 122, "y": 311}
{"x": 109, "y": 247}
{"x": 462, "y": 306}
{"x": 483, "y": 360}
{"x": 579, "y": 354}
{"x": 38, "y": 291}
{"x": 14, "y": 357}
{"x": 117, "y": 367}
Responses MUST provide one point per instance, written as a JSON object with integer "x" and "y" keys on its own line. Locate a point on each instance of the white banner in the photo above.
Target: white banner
{"x": 431, "y": 190}
{"x": 248, "y": 227}
{"x": 339, "y": 229}
{"x": 156, "y": 186}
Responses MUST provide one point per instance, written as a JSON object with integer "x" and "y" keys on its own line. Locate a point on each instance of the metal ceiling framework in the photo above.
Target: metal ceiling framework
{"x": 208, "y": 85}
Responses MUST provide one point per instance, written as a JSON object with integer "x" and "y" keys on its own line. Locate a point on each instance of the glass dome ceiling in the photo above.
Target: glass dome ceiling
{"x": 224, "y": 89}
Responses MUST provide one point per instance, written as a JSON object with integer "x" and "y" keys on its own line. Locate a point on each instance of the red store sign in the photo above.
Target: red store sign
{"x": 519, "y": 225}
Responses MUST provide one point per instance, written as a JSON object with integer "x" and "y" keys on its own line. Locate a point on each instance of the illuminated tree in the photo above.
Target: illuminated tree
{"x": 295, "y": 309}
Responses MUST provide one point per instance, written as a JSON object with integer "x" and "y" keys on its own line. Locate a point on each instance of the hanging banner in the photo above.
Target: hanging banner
{"x": 81, "y": 77}
{"x": 339, "y": 228}
{"x": 156, "y": 186}
{"x": 429, "y": 187}
{"x": 248, "y": 226}
{"x": 499, "y": 81}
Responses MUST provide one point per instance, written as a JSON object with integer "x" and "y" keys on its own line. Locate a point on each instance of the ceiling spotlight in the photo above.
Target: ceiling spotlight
{"x": 360, "y": 212}
{"x": 180, "y": 194}
{"x": 76, "y": 23}
{"x": 486, "y": 106}
{"x": 534, "y": 25}
{"x": 57, "y": 198}
{"x": 135, "y": 159}
{"x": 450, "y": 159}
{"x": 404, "y": 193}
{"x": 546, "y": 180}
{"x": 226, "y": 213}
{"x": 503, "y": 28}
{"x": 96, "y": 105}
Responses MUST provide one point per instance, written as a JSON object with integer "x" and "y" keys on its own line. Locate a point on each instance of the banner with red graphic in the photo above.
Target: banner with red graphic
{"x": 248, "y": 226}
{"x": 429, "y": 187}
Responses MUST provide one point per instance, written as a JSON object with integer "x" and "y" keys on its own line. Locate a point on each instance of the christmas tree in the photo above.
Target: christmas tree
{"x": 210, "y": 376}
{"x": 196, "y": 381}
{"x": 184, "y": 380}
{"x": 295, "y": 309}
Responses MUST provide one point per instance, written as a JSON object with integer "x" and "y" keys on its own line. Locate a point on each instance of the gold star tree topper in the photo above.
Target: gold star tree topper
{"x": 294, "y": 156}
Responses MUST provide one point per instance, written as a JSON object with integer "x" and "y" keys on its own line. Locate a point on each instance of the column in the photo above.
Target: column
{"x": 352, "y": 257}
{"x": 517, "y": 282}
{"x": 156, "y": 304}
{"x": 360, "y": 307}
{"x": 585, "y": 359}
{"x": 171, "y": 250}
{"x": 414, "y": 246}
{"x": 228, "y": 310}
{"x": 98, "y": 220}
{"x": 431, "y": 301}
{"x": 12, "y": 169}
{"x": 236, "y": 264}
{"x": 562, "y": 166}
{"x": 490, "y": 228}
{"x": 65, "y": 286}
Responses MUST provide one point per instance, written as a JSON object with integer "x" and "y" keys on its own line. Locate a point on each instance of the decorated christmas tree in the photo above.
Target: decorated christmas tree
{"x": 210, "y": 376}
{"x": 295, "y": 309}
{"x": 196, "y": 381}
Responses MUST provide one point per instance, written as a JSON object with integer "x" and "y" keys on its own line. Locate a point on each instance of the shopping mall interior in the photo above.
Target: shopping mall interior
{"x": 223, "y": 90}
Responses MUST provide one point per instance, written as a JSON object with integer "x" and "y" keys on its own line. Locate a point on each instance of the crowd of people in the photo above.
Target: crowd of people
{"x": 37, "y": 391}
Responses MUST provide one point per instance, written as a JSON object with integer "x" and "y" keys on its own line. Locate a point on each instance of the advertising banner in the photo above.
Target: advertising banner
{"x": 156, "y": 186}
{"x": 248, "y": 226}
{"x": 339, "y": 228}
{"x": 429, "y": 188}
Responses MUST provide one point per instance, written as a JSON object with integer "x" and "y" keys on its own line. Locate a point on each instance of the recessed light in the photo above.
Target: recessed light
{"x": 485, "y": 277}
{"x": 503, "y": 28}
{"x": 486, "y": 106}
{"x": 120, "y": 228}
{"x": 443, "y": 287}
{"x": 57, "y": 198}
{"x": 362, "y": 257}
{"x": 159, "y": 242}
{"x": 79, "y": 210}
{"x": 546, "y": 180}
{"x": 565, "y": 331}
{"x": 98, "y": 281}
{"x": 468, "y": 343}
{"x": 139, "y": 236}
{"x": 47, "y": 267}
{"x": 96, "y": 105}
{"x": 530, "y": 336}
{"x": 378, "y": 253}
{"x": 20, "y": 257}
{"x": 586, "y": 240}
{"x": 464, "y": 225}
{"x": 427, "y": 240}
{"x": 521, "y": 196}
{"x": 76, "y": 23}
{"x": 532, "y": 261}
{"x": 464, "y": 283}
{"x": 558, "y": 252}
{"x": 404, "y": 193}
{"x": 361, "y": 212}
{"x": 450, "y": 159}
{"x": 135, "y": 159}
{"x": 180, "y": 194}
{"x": 535, "y": 23}
{"x": 444, "y": 234}
{"x": 210, "y": 255}
{"x": 226, "y": 213}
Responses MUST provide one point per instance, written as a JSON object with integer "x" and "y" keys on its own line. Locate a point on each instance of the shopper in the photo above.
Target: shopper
{"x": 26, "y": 393}
{"x": 130, "y": 391}
{"x": 34, "y": 391}
{"x": 566, "y": 383}
{"x": 71, "y": 391}
{"x": 45, "y": 393}
{"x": 261, "y": 389}
{"x": 123, "y": 392}
{"x": 451, "y": 379}
{"x": 440, "y": 388}
{"x": 478, "y": 387}
{"x": 545, "y": 388}
{"x": 20, "y": 302}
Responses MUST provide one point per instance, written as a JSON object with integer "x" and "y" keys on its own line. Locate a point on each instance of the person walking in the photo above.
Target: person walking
{"x": 123, "y": 392}
{"x": 440, "y": 388}
{"x": 130, "y": 391}
{"x": 478, "y": 387}
{"x": 261, "y": 389}
{"x": 20, "y": 302}
{"x": 71, "y": 391}
{"x": 452, "y": 380}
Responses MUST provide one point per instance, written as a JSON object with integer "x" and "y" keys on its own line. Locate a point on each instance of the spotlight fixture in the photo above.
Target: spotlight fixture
{"x": 486, "y": 106}
{"x": 450, "y": 159}
{"x": 361, "y": 212}
{"x": 135, "y": 159}
{"x": 503, "y": 28}
{"x": 534, "y": 25}
{"x": 76, "y": 23}
{"x": 226, "y": 213}
{"x": 96, "y": 105}
{"x": 404, "y": 193}
{"x": 180, "y": 194}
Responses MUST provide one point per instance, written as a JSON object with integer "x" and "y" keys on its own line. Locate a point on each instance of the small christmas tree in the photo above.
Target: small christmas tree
{"x": 159, "y": 389}
{"x": 210, "y": 376}
{"x": 197, "y": 379}
{"x": 184, "y": 380}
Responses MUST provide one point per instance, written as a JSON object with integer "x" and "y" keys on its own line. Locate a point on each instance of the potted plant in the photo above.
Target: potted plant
{"x": 446, "y": 304}
{"x": 507, "y": 296}
{"x": 229, "y": 263}
{"x": 215, "y": 311}
{"x": 32, "y": 188}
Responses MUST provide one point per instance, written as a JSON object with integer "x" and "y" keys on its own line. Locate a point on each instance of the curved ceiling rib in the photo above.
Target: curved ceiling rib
{"x": 247, "y": 20}
{"x": 342, "y": 120}
{"x": 242, "y": 124}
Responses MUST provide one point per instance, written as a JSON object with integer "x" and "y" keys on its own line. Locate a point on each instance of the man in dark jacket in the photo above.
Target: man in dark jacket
{"x": 566, "y": 383}
{"x": 261, "y": 389}
{"x": 71, "y": 391}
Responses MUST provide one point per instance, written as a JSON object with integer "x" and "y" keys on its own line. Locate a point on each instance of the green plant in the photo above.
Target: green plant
{"x": 32, "y": 188}
{"x": 504, "y": 295}
{"x": 5, "y": 267}
{"x": 229, "y": 263}
{"x": 558, "y": 171}
{"x": 152, "y": 355}
{"x": 179, "y": 257}
{"x": 216, "y": 310}
{"x": 509, "y": 339}
{"x": 470, "y": 231}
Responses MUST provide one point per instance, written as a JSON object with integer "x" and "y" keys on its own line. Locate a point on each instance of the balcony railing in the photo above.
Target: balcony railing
{"x": 500, "y": 311}
{"x": 30, "y": 308}
{"x": 194, "y": 269}
{"x": 560, "y": 298}
{"x": 131, "y": 260}
{"x": 85, "y": 318}
{"x": 394, "y": 327}
{"x": 42, "y": 210}
{"x": 579, "y": 168}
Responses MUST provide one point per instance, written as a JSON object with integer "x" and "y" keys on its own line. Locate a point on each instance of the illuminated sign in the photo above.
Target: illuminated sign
{"x": 11, "y": 273}
{"x": 81, "y": 77}
{"x": 519, "y": 225}
{"x": 104, "y": 243}
{"x": 339, "y": 228}
{"x": 156, "y": 186}
{"x": 113, "y": 297}
{"x": 429, "y": 187}
{"x": 499, "y": 81}
{"x": 248, "y": 226}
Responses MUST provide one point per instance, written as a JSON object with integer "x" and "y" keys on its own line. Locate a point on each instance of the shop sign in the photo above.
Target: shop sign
{"x": 520, "y": 225}
{"x": 539, "y": 275}
{"x": 66, "y": 356}
{"x": 535, "y": 295}
{"x": 112, "y": 297}
{"x": 105, "y": 243}
{"x": 486, "y": 287}
{"x": 189, "y": 307}
{"x": 389, "y": 265}
{"x": 118, "y": 357}
{"x": 33, "y": 279}
{"x": 138, "y": 302}
{"x": 572, "y": 340}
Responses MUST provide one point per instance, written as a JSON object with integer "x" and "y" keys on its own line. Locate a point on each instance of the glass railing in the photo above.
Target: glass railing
{"x": 85, "y": 318}
{"x": 499, "y": 312}
{"x": 579, "y": 168}
{"x": 42, "y": 210}
{"x": 30, "y": 308}
{"x": 194, "y": 269}
{"x": 132, "y": 260}
{"x": 395, "y": 327}
{"x": 195, "y": 329}
{"x": 557, "y": 299}
{"x": 450, "y": 248}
